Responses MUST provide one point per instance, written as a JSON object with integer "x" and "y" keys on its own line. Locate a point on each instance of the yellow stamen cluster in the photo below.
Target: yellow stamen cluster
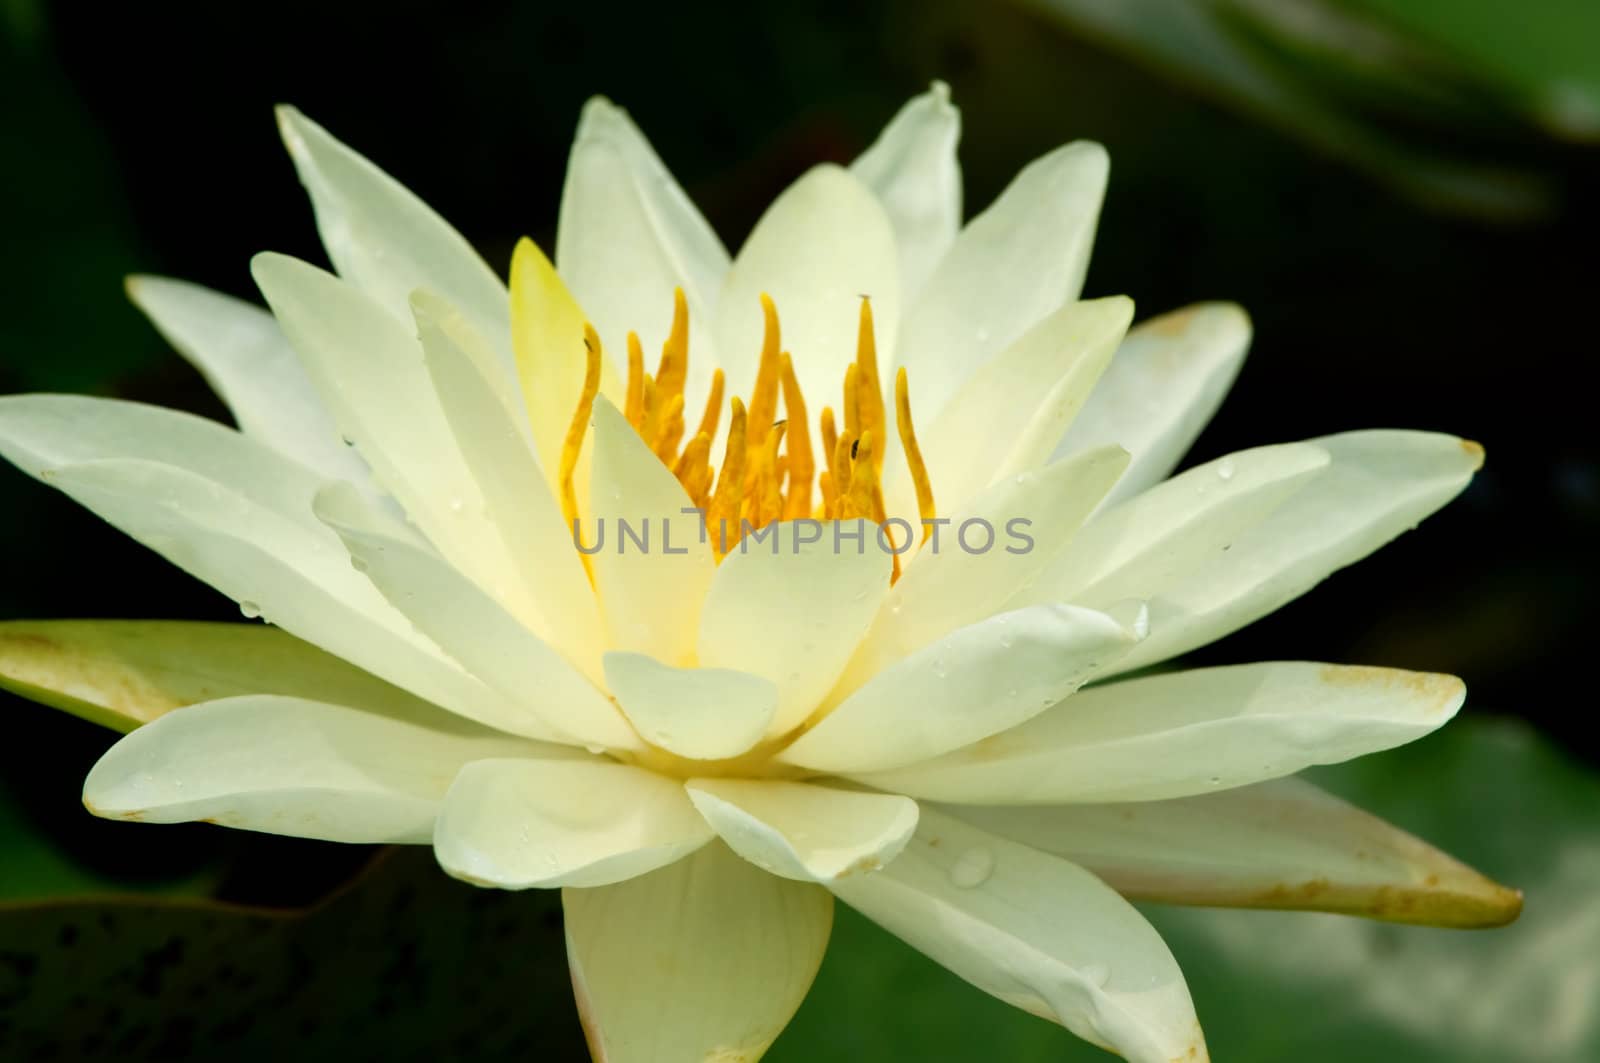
{"x": 767, "y": 463}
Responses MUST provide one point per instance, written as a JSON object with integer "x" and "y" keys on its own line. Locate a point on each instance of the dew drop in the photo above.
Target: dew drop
{"x": 250, "y": 610}
{"x": 1098, "y": 973}
{"x": 1225, "y": 469}
{"x": 596, "y": 750}
{"x": 456, "y": 505}
{"x": 358, "y": 563}
{"x": 1215, "y": 780}
{"x": 972, "y": 868}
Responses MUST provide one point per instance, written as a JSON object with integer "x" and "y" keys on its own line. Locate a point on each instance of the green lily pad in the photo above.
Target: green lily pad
{"x": 1272, "y": 986}
{"x": 404, "y": 964}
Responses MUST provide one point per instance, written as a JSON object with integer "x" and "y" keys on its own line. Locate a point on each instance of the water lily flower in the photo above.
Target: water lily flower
{"x": 771, "y": 685}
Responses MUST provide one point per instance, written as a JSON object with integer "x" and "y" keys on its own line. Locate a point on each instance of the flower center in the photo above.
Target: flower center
{"x": 768, "y": 463}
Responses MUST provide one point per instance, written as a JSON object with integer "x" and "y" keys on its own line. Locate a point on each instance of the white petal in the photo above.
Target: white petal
{"x": 247, "y": 361}
{"x": 490, "y": 428}
{"x": 1166, "y": 381}
{"x": 699, "y": 713}
{"x": 793, "y": 614}
{"x": 1188, "y": 733}
{"x": 986, "y": 554}
{"x": 822, "y": 245}
{"x": 1377, "y": 485}
{"x": 628, "y": 235}
{"x": 234, "y": 514}
{"x": 291, "y": 766}
{"x": 544, "y": 695}
{"x": 705, "y": 960}
{"x": 805, "y": 832}
{"x": 388, "y": 242}
{"x": 369, "y": 369}
{"x": 968, "y": 685}
{"x": 519, "y": 824}
{"x": 1153, "y": 540}
{"x": 1010, "y": 414}
{"x": 912, "y": 168}
{"x": 1280, "y": 844}
{"x": 1039, "y": 933}
{"x": 1012, "y": 265}
{"x": 651, "y": 583}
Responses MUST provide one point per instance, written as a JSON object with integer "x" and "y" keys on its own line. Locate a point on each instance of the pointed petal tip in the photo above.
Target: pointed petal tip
{"x": 1474, "y": 452}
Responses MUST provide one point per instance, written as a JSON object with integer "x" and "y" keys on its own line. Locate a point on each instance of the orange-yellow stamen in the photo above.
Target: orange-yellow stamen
{"x": 768, "y": 464}
{"x": 573, "y": 444}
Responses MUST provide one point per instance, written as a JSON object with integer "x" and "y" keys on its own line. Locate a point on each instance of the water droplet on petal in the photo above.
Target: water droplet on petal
{"x": 596, "y": 749}
{"x": 972, "y": 868}
{"x": 1225, "y": 469}
{"x": 250, "y": 610}
{"x": 1215, "y": 780}
{"x": 1097, "y": 973}
{"x": 456, "y": 505}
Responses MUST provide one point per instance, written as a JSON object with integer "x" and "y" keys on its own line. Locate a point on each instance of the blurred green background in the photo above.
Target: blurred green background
{"x": 1400, "y": 192}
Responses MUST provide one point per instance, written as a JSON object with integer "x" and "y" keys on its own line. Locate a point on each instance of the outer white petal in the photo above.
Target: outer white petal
{"x": 1011, "y": 266}
{"x": 1280, "y": 844}
{"x": 369, "y": 369}
{"x": 519, "y": 824}
{"x": 792, "y": 613}
{"x": 1377, "y": 485}
{"x": 490, "y": 427}
{"x": 650, "y": 596}
{"x": 822, "y": 245}
{"x": 544, "y": 696}
{"x": 1153, "y": 540}
{"x": 699, "y": 713}
{"x": 628, "y": 235}
{"x": 707, "y": 959}
{"x": 1188, "y": 733}
{"x": 912, "y": 167}
{"x": 988, "y": 552}
{"x": 970, "y": 684}
{"x": 247, "y": 361}
{"x": 1167, "y": 379}
{"x": 388, "y": 242}
{"x": 1039, "y": 933}
{"x": 1011, "y": 412}
{"x": 805, "y": 832}
{"x": 237, "y": 516}
{"x": 291, "y": 766}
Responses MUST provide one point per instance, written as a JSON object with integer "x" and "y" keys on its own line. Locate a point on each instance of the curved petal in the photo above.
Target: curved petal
{"x": 123, "y": 673}
{"x": 1041, "y": 934}
{"x": 698, "y": 713}
{"x": 822, "y": 245}
{"x": 237, "y": 516}
{"x": 519, "y": 824}
{"x": 1153, "y": 540}
{"x": 491, "y": 428}
{"x": 913, "y": 170}
{"x": 651, "y": 583}
{"x": 968, "y": 685}
{"x": 291, "y": 766}
{"x": 1012, "y": 265}
{"x": 1011, "y": 412}
{"x": 792, "y": 616}
{"x": 1188, "y": 733}
{"x": 1377, "y": 485}
{"x": 1280, "y": 844}
{"x": 385, "y": 240}
{"x": 368, "y": 366}
{"x": 1166, "y": 380}
{"x": 988, "y": 553}
{"x": 707, "y": 959}
{"x": 544, "y": 696}
{"x": 628, "y": 236}
{"x": 248, "y": 362}
{"x": 806, "y": 832}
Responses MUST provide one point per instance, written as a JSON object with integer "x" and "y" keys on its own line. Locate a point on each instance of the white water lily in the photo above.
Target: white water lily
{"x": 704, "y": 744}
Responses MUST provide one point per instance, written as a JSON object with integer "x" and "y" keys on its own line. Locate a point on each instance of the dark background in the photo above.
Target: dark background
{"x": 139, "y": 137}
